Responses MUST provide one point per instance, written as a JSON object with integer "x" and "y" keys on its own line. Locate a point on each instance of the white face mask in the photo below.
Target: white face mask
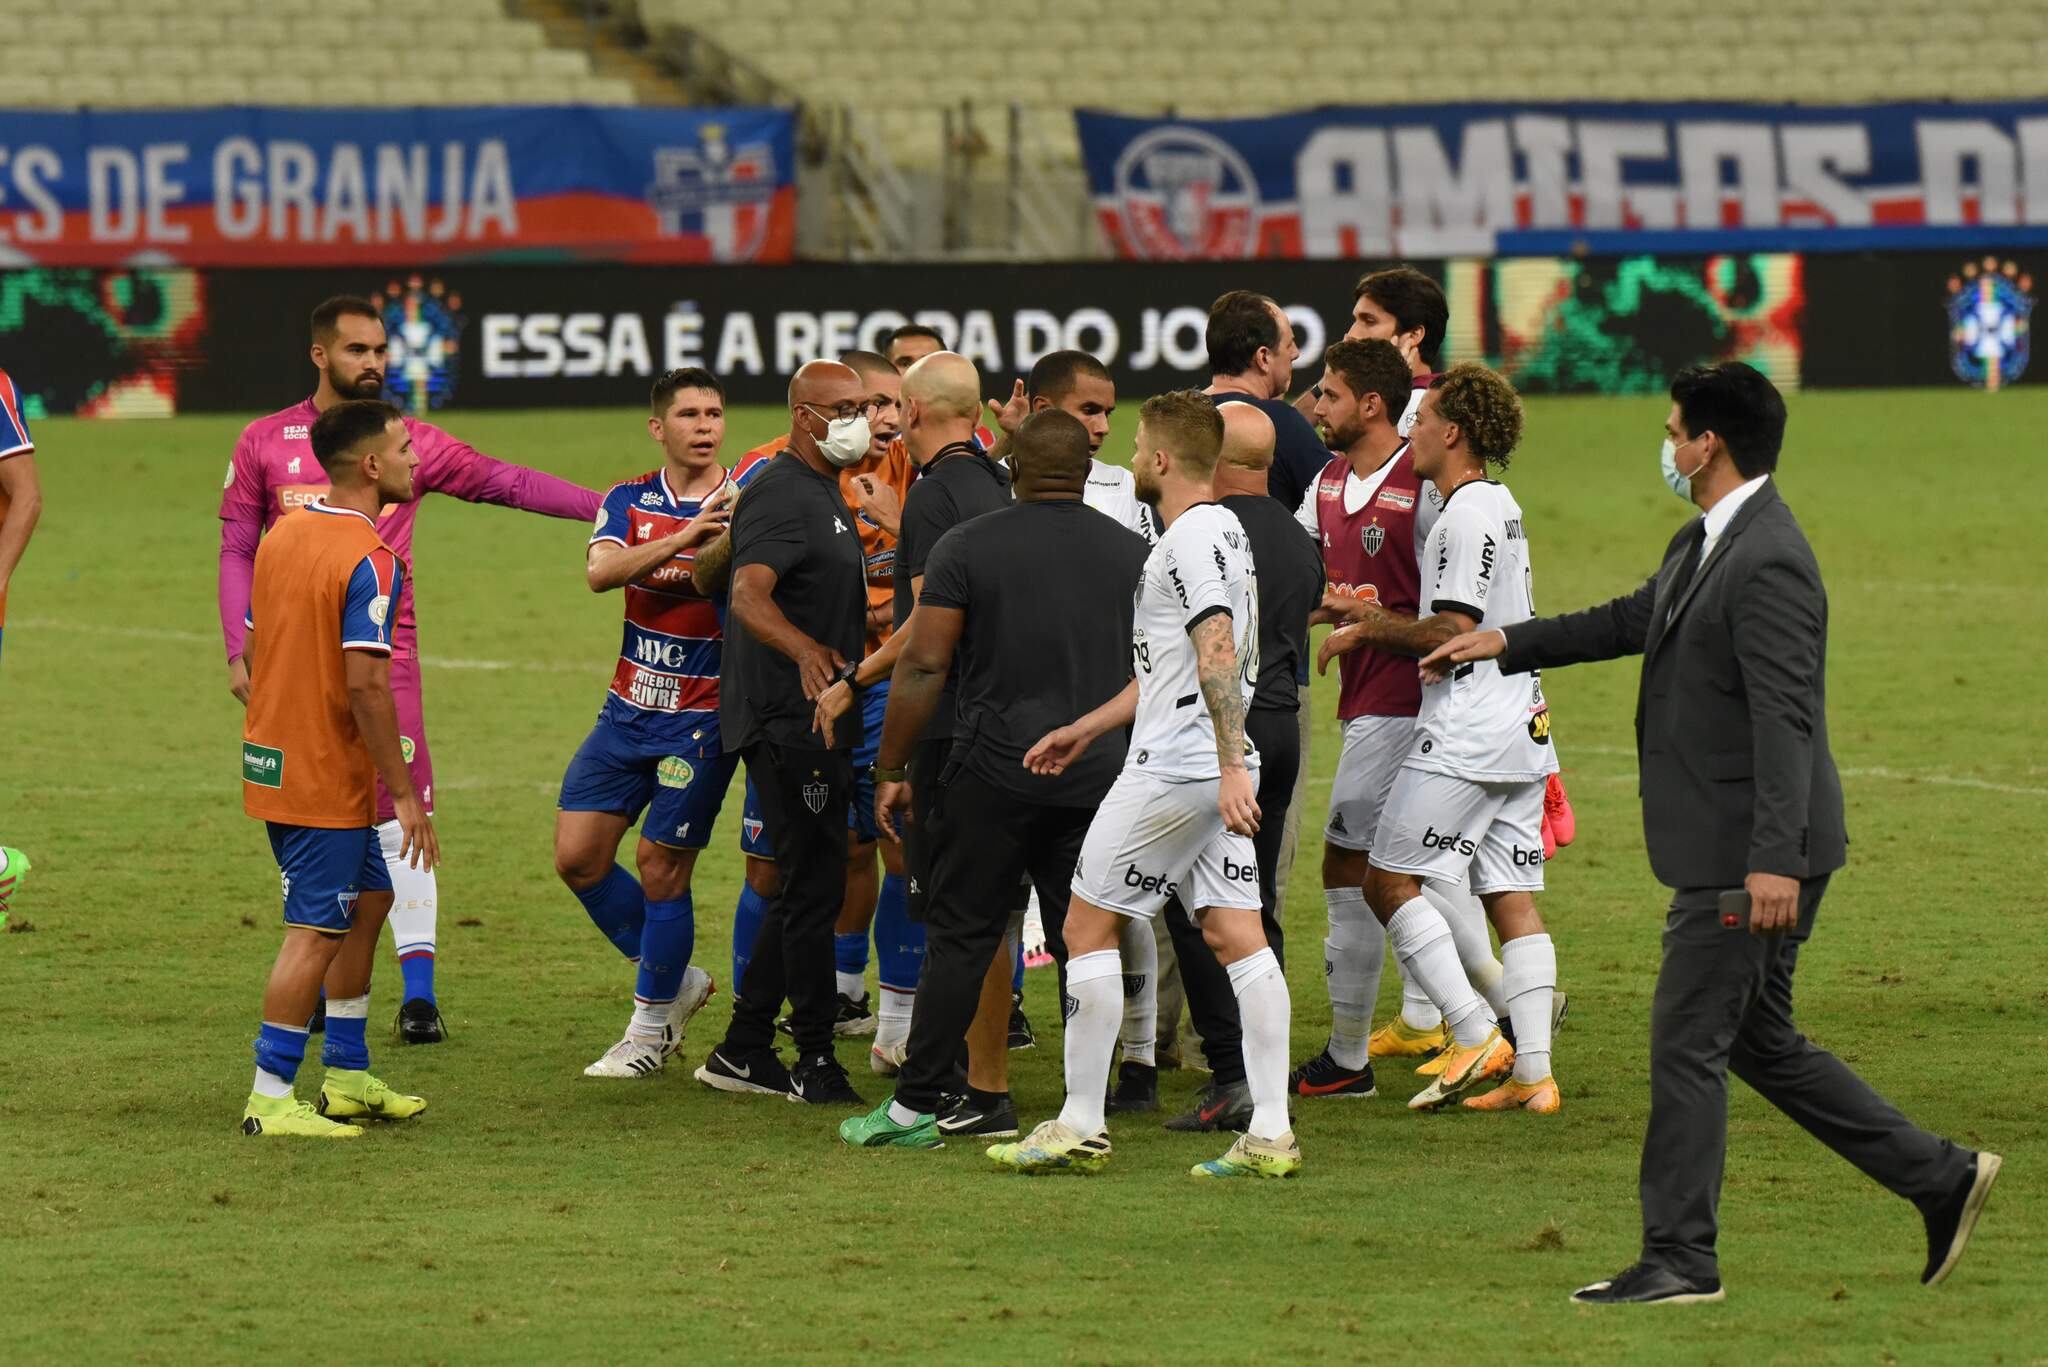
{"x": 1680, "y": 482}
{"x": 846, "y": 440}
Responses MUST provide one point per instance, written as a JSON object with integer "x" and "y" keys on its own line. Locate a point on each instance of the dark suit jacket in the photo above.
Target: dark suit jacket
{"x": 1731, "y": 713}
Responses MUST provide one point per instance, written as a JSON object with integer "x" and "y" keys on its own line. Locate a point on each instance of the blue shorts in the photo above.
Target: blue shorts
{"x": 861, "y": 818}
{"x": 324, "y": 871}
{"x": 616, "y": 772}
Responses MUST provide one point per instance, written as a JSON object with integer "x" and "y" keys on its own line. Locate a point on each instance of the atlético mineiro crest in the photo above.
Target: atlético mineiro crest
{"x": 423, "y": 322}
{"x": 1185, "y": 194}
{"x": 1374, "y": 536}
{"x": 1990, "y": 330}
{"x": 715, "y": 189}
{"x": 815, "y": 792}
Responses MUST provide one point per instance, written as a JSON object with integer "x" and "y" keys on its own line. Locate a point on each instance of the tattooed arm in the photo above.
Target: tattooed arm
{"x": 1216, "y": 668}
{"x": 1374, "y": 626}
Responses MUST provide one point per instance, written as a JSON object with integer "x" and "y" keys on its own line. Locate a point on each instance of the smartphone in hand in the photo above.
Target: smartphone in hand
{"x": 1734, "y": 909}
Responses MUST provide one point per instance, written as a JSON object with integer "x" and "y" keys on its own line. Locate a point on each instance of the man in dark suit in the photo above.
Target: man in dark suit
{"x": 1739, "y": 796}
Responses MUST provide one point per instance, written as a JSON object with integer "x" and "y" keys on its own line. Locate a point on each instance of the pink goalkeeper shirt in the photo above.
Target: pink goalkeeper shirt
{"x": 273, "y": 472}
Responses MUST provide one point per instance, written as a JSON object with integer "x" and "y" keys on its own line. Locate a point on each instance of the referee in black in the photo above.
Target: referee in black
{"x": 1028, "y": 612}
{"x": 1290, "y": 567}
{"x": 798, "y": 614}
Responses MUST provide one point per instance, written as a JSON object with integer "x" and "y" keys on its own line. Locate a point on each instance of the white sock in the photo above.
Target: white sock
{"x": 1263, "y": 1006}
{"x": 1094, "y": 984}
{"x": 650, "y": 1021}
{"x": 1423, "y": 940}
{"x": 1529, "y": 977}
{"x": 901, "y": 1113}
{"x": 270, "y": 1084}
{"x": 1353, "y": 956}
{"x": 1467, "y": 920}
{"x": 1418, "y": 1012}
{"x": 414, "y": 896}
{"x": 1139, "y": 952}
{"x": 892, "y": 1017}
{"x": 851, "y": 985}
{"x": 349, "y": 1008}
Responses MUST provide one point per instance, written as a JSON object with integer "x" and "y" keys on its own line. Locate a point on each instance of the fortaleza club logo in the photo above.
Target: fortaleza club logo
{"x": 422, "y": 319}
{"x": 1185, "y": 194}
{"x": 716, "y": 189}
{"x": 1990, "y": 333}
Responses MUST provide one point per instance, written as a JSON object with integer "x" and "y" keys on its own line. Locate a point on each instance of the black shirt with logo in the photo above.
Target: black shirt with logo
{"x": 1048, "y": 590}
{"x": 1290, "y": 567}
{"x": 793, "y": 520}
{"x": 958, "y": 483}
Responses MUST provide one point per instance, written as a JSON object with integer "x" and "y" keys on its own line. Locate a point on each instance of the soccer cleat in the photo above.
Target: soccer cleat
{"x": 1224, "y": 1106}
{"x": 630, "y": 1058}
{"x": 350, "y": 1092}
{"x": 1540, "y": 1097}
{"x": 852, "y": 1016}
{"x": 969, "y": 1119}
{"x": 1052, "y": 1147}
{"x": 820, "y": 1081}
{"x": 746, "y": 1072}
{"x": 419, "y": 1022}
{"x": 1558, "y": 820}
{"x": 1324, "y": 1076}
{"x": 1137, "y": 1089}
{"x": 876, "y": 1130}
{"x": 1398, "y": 1039}
{"x": 318, "y": 1023}
{"x": 14, "y": 867}
{"x": 1643, "y": 1284}
{"x": 696, "y": 989}
{"x": 1250, "y": 1157}
{"x": 1464, "y": 1068}
{"x": 887, "y": 1059}
{"x": 1020, "y": 1025}
{"x": 287, "y": 1117}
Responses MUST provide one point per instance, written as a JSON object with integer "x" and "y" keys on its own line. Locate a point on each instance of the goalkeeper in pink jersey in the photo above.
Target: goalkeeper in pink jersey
{"x": 272, "y": 473}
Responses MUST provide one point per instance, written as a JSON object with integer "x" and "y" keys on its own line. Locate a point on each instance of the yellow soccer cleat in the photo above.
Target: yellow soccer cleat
{"x": 1250, "y": 1157}
{"x": 350, "y": 1092}
{"x": 1540, "y": 1097}
{"x": 1398, "y": 1039}
{"x": 1052, "y": 1147}
{"x": 1464, "y": 1068}
{"x": 287, "y": 1117}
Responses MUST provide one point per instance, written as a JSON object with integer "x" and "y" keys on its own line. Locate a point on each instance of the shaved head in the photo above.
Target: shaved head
{"x": 946, "y": 383}
{"x": 1247, "y": 438}
{"x": 823, "y": 382}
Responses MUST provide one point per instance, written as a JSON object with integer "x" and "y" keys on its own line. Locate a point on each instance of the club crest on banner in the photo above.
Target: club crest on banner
{"x": 1184, "y": 194}
{"x": 716, "y": 189}
{"x": 424, "y": 325}
{"x": 1990, "y": 329}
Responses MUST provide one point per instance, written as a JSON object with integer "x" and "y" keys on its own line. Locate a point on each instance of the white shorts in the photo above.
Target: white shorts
{"x": 1373, "y": 750}
{"x": 1152, "y": 839}
{"x": 1441, "y": 826}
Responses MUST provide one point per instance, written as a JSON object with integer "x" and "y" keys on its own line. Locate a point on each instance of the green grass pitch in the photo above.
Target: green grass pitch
{"x": 533, "y": 1214}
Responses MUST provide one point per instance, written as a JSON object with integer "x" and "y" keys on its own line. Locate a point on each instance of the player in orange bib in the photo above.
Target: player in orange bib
{"x": 321, "y": 729}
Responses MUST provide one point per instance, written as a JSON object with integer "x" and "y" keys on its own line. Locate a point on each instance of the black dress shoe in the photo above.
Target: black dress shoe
{"x": 1950, "y": 1223}
{"x": 419, "y": 1022}
{"x": 1137, "y": 1089}
{"x": 1643, "y": 1284}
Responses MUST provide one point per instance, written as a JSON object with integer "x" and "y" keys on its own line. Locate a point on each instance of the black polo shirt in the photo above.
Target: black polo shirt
{"x": 793, "y": 520}
{"x": 1048, "y": 590}
{"x": 1290, "y": 567}
{"x": 959, "y": 483}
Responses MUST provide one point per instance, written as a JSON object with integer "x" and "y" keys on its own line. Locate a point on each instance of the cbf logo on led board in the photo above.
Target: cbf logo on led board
{"x": 1990, "y": 329}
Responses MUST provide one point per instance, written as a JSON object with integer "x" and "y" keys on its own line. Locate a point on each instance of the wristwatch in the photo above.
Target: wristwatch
{"x": 850, "y": 676}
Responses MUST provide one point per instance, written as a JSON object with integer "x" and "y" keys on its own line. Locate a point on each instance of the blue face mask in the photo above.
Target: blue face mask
{"x": 1680, "y": 482}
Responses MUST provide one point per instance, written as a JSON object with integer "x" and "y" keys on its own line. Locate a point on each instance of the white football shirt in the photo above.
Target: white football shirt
{"x": 1201, "y": 566}
{"x": 1480, "y": 723}
{"x": 1111, "y": 490}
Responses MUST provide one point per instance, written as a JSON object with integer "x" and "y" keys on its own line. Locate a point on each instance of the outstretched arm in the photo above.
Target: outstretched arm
{"x": 448, "y": 466}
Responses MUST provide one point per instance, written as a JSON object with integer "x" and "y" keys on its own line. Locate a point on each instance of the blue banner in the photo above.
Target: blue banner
{"x": 1508, "y": 180}
{"x": 257, "y": 186}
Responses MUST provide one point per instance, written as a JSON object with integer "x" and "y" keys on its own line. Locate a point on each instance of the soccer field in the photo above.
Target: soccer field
{"x": 534, "y": 1214}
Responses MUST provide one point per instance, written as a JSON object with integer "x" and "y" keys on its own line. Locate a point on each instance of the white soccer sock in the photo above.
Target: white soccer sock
{"x": 650, "y": 1021}
{"x": 1418, "y": 1012}
{"x": 1094, "y": 983}
{"x": 1467, "y": 920}
{"x": 1353, "y": 956}
{"x": 1263, "y": 1006}
{"x": 850, "y": 985}
{"x": 892, "y": 1017}
{"x": 1423, "y": 940}
{"x": 901, "y": 1113}
{"x": 270, "y": 1084}
{"x": 414, "y": 896}
{"x": 349, "y": 1008}
{"x": 1529, "y": 977}
{"x": 1139, "y": 952}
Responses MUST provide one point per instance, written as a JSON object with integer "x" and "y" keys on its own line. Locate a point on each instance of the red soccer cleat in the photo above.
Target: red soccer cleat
{"x": 1560, "y": 827}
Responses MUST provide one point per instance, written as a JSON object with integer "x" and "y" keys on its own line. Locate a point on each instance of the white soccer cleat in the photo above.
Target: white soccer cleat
{"x": 697, "y": 988}
{"x": 630, "y": 1058}
{"x": 887, "y": 1059}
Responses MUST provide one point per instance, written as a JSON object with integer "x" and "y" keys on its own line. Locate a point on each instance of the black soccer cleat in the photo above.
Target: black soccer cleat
{"x": 820, "y": 1081}
{"x": 1324, "y": 1076}
{"x": 851, "y": 1016}
{"x": 319, "y": 1022}
{"x": 1643, "y": 1284}
{"x": 1020, "y": 1026}
{"x": 1137, "y": 1089}
{"x": 746, "y": 1072}
{"x": 419, "y": 1022}
{"x": 971, "y": 1119}
{"x": 1225, "y": 1106}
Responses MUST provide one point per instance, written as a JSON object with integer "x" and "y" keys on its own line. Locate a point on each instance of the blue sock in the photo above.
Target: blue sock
{"x": 746, "y": 925}
{"x": 665, "y": 945}
{"x": 617, "y": 908}
{"x": 850, "y": 952}
{"x": 899, "y": 941}
{"x": 280, "y": 1049}
{"x": 418, "y": 972}
{"x": 347, "y": 1044}
{"x": 1017, "y": 978}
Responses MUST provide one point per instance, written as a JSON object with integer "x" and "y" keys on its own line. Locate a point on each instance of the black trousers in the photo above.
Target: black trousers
{"x": 1211, "y": 1002}
{"x": 928, "y": 759}
{"x": 983, "y": 840}
{"x": 1724, "y": 1003}
{"x": 804, "y": 795}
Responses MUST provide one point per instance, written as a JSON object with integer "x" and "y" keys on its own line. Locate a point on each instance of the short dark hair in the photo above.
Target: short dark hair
{"x": 669, "y": 383}
{"x": 1373, "y": 366}
{"x": 342, "y": 430}
{"x": 866, "y": 363}
{"x": 1185, "y": 423}
{"x": 915, "y": 330}
{"x": 1051, "y": 442}
{"x": 1240, "y": 322}
{"x": 1485, "y": 407}
{"x": 1737, "y": 404}
{"x": 326, "y": 319}
{"x": 1057, "y": 372}
{"x": 1415, "y": 300}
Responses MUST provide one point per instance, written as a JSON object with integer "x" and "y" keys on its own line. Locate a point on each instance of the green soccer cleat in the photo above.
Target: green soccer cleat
{"x": 287, "y": 1117}
{"x": 350, "y": 1092}
{"x": 14, "y": 868}
{"x": 1052, "y": 1147}
{"x": 876, "y": 1130}
{"x": 1250, "y": 1157}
